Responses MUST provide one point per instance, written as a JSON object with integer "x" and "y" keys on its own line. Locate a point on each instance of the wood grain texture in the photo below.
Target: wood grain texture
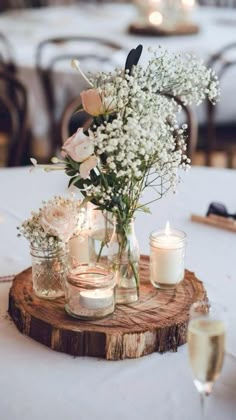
{"x": 156, "y": 323}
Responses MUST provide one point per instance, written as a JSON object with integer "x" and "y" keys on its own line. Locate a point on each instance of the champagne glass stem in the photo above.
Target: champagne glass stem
{"x": 202, "y": 401}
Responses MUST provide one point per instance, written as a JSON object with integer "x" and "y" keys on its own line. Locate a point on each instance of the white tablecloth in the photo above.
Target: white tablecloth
{"x": 37, "y": 383}
{"x": 26, "y": 28}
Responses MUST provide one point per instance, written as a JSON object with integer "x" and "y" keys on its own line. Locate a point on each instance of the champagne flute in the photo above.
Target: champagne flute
{"x": 206, "y": 345}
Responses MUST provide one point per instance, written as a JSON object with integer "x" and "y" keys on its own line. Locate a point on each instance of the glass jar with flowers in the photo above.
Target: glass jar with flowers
{"x": 48, "y": 232}
{"x": 133, "y": 144}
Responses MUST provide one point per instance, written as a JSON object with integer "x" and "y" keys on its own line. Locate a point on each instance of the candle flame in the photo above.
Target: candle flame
{"x": 155, "y": 18}
{"x": 167, "y": 228}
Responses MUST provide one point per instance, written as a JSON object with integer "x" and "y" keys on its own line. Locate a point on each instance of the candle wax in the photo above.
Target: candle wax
{"x": 96, "y": 299}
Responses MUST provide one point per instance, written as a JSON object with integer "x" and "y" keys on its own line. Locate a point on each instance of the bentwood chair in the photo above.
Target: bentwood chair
{"x": 6, "y": 55}
{"x": 50, "y": 56}
{"x": 221, "y": 137}
{"x": 218, "y": 3}
{"x": 72, "y": 120}
{"x": 13, "y": 121}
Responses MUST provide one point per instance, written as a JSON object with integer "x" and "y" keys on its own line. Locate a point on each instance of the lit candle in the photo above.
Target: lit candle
{"x": 155, "y": 18}
{"x": 96, "y": 299}
{"x": 89, "y": 292}
{"x": 187, "y": 7}
{"x": 167, "y": 249}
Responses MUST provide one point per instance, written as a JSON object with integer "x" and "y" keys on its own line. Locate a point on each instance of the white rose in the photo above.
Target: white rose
{"x": 56, "y": 220}
{"x": 79, "y": 146}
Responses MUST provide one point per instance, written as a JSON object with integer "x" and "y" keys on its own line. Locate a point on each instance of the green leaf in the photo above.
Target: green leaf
{"x": 71, "y": 172}
{"x": 73, "y": 180}
{"x": 145, "y": 209}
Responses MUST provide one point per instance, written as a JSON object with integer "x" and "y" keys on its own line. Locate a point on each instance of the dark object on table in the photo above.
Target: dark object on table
{"x": 219, "y": 209}
{"x": 152, "y": 30}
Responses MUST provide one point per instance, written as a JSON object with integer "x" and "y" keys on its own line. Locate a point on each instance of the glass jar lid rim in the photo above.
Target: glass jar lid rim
{"x": 82, "y": 275}
{"x": 179, "y": 235}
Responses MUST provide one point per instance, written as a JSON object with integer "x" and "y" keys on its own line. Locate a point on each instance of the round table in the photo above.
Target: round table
{"x": 37, "y": 382}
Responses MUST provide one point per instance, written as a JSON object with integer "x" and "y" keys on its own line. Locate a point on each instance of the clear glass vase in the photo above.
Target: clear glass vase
{"x": 123, "y": 256}
{"x": 99, "y": 237}
{"x": 49, "y": 270}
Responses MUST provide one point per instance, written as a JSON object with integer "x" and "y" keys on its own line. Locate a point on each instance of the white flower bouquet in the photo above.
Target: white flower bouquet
{"x": 134, "y": 142}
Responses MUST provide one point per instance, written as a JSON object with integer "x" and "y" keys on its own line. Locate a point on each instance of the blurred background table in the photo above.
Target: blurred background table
{"x": 25, "y": 29}
{"x": 37, "y": 382}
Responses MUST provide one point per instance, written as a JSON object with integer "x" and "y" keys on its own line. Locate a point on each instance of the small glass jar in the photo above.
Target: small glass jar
{"x": 90, "y": 292}
{"x": 167, "y": 253}
{"x": 49, "y": 271}
{"x": 124, "y": 255}
{"x": 99, "y": 236}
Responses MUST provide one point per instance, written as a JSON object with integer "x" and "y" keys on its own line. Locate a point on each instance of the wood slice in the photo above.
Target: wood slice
{"x": 152, "y": 30}
{"x": 156, "y": 323}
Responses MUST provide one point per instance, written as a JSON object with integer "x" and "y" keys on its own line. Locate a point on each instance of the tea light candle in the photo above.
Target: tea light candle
{"x": 167, "y": 257}
{"x": 96, "y": 299}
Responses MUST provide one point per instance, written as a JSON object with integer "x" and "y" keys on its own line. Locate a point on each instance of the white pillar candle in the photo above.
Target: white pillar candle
{"x": 167, "y": 249}
{"x": 96, "y": 299}
{"x": 79, "y": 248}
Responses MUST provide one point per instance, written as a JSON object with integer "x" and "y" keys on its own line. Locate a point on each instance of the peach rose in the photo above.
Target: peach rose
{"x": 56, "y": 220}
{"x": 92, "y": 102}
{"x": 87, "y": 166}
{"x": 79, "y": 146}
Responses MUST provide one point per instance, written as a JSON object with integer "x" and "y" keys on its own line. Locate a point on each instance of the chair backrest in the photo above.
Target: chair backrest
{"x": 218, "y": 3}
{"x": 222, "y": 61}
{"x": 71, "y": 119}
{"x": 192, "y": 124}
{"x": 6, "y": 55}
{"x": 53, "y": 52}
{"x": 13, "y": 118}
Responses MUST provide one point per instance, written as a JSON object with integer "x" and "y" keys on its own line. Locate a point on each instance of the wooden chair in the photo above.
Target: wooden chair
{"x": 71, "y": 120}
{"x": 6, "y": 55}
{"x": 218, "y": 3}
{"x": 13, "y": 120}
{"x": 47, "y": 72}
{"x": 191, "y": 121}
{"x": 221, "y": 137}
{"x": 192, "y": 130}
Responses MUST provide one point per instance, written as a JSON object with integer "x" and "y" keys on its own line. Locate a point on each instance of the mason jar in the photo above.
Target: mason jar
{"x": 167, "y": 255}
{"x": 49, "y": 271}
{"x": 89, "y": 292}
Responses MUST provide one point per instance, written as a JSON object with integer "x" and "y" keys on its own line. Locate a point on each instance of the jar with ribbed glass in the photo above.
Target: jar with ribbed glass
{"x": 49, "y": 271}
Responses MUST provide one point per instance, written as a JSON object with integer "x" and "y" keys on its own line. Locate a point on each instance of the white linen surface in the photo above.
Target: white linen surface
{"x": 37, "y": 383}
